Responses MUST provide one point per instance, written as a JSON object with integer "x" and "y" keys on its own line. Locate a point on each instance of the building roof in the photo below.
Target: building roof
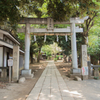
{"x": 10, "y": 36}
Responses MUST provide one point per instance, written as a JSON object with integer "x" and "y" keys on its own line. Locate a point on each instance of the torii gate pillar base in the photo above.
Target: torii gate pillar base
{"x": 76, "y": 71}
{"x": 27, "y": 73}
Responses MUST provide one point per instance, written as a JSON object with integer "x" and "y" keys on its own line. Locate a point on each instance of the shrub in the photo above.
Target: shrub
{"x": 55, "y": 59}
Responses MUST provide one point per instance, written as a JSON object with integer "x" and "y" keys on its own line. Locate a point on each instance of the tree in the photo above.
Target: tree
{"x": 47, "y": 49}
{"x": 21, "y": 38}
{"x": 12, "y": 10}
{"x": 51, "y": 49}
{"x": 94, "y": 43}
{"x": 33, "y": 50}
{"x": 70, "y": 8}
{"x": 57, "y": 9}
{"x": 40, "y": 42}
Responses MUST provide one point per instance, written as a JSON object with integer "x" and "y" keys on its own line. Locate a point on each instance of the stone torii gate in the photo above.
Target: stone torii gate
{"x": 72, "y": 30}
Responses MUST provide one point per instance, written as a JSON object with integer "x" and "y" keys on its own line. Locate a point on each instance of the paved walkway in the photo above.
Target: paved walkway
{"x": 50, "y": 86}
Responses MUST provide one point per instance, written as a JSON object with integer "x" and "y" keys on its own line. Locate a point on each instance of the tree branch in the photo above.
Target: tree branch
{"x": 88, "y": 30}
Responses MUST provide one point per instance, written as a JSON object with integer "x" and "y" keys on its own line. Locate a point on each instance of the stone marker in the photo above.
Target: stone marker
{"x": 84, "y": 62}
{"x": 84, "y": 55}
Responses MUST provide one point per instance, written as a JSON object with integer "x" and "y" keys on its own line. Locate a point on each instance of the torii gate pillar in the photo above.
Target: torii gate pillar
{"x": 74, "y": 47}
{"x": 74, "y": 51}
{"x": 74, "y": 21}
{"x": 27, "y": 72}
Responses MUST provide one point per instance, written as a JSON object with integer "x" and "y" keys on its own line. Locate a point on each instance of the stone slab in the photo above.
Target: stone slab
{"x": 50, "y": 86}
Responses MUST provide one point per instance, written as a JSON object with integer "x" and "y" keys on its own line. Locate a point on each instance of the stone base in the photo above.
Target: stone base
{"x": 15, "y": 79}
{"x": 27, "y": 73}
{"x": 85, "y": 77}
{"x": 73, "y": 75}
{"x": 76, "y": 71}
{"x": 90, "y": 77}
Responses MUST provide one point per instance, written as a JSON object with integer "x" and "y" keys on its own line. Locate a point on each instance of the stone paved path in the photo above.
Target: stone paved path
{"x": 50, "y": 86}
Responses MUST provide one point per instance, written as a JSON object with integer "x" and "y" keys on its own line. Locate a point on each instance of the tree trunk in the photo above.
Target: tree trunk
{"x": 94, "y": 60}
{"x": 55, "y": 55}
{"x": 38, "y": 58}
{"x": 31, "y": 56}
{"x": 64, "y": 57}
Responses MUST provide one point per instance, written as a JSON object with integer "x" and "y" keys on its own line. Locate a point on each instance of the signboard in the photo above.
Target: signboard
{"x": 10, "y": 62}
{"x": 84, "y": 70}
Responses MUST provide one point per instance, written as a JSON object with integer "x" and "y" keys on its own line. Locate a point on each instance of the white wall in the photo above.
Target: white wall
{"x": 1, "y": 36}
{"x": 1, "y": 56}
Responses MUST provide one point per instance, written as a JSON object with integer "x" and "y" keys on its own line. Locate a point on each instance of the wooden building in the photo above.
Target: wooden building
{"x": 7, "y": 42}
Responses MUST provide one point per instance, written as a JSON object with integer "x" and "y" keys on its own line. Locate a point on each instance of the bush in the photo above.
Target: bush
{"x": 55, "y": 59}
{"x": 57, "y": 56}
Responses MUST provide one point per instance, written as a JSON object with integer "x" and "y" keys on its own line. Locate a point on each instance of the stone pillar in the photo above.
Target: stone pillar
{"x": 27, "y": 46}
{"x": 73, "y": 46}
{"x": 74, "y": 50}
{"x": 15, "y": 68}
{"x": 84, "y": 55}
{"x": 89, "y": 69}
{"x": 27, "y": 72}
{"x": 84, "y": 62}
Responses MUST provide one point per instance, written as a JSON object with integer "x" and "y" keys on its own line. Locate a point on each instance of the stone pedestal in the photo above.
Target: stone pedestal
{"x": 27, "y": 73}
{"x": 76, "y": 71}
{"x": 85, "y": 77}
